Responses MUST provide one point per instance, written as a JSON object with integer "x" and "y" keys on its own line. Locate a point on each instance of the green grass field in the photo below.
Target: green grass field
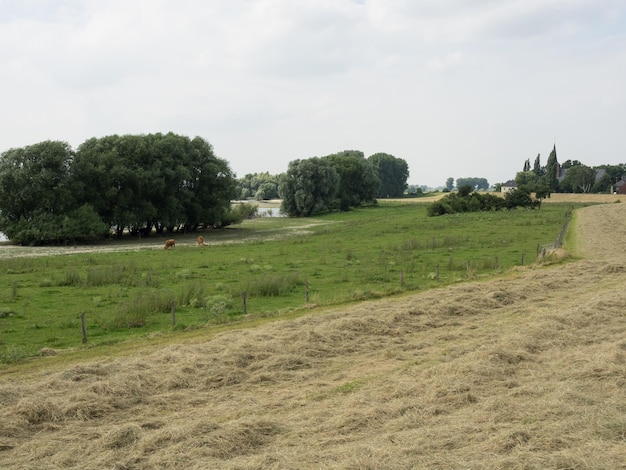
{"x": 333, "y": 259}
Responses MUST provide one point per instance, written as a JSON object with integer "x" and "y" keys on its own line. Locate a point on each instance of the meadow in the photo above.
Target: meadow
{"x": 265, "y": 267}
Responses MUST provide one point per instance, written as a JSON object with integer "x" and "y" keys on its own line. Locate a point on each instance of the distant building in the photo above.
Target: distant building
{"x": 508, "y": 186}
{"x": 620, "y": 186}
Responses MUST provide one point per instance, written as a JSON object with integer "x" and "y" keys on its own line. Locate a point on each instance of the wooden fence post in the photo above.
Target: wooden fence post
{"x": 173, "y": 311}
{"x": 306, "y": 292}
{"x": 244, "y": 300}
{"x": 522, "y": 258}
{"x": 495, "y": 263}
{"x": 437, "y": 272}
{"x": 83, "y": 327}
{"x": 401, "y": 278}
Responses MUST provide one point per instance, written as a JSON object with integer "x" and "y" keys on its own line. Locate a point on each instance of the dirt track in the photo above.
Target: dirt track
{"x": 524, "y": 372}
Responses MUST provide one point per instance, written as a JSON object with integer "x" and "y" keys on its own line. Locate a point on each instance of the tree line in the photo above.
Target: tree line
{"x": 339, "y": 181}
{"x": 140, "y": 184}
{"x": 568, "y": 177}
{"x": 50, "y": 193}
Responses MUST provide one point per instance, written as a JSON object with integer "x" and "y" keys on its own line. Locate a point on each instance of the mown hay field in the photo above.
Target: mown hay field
{"x": 523, "y": 372}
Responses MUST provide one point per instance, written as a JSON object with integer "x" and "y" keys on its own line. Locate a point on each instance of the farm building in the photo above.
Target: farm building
{"x": 620, "y": 186}
{"x": 508, "y": 186}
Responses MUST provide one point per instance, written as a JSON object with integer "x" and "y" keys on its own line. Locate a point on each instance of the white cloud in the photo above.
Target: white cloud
{"x": 451, "y": 86}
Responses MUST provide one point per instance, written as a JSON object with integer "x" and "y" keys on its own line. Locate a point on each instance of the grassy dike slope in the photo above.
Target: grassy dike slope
{"x": 528, "y": 371}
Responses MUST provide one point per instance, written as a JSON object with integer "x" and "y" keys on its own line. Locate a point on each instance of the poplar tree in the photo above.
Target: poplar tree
{"x": 552, "y": 168}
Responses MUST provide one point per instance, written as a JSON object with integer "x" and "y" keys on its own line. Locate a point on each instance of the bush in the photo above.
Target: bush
{"x": 466, "y": 201}
{"x": 78, "y": 226}
{"x": 239, "y": 213}
{"x": 218, "y": 304}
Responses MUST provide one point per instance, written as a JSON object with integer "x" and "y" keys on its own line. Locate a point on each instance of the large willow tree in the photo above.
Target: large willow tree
{"x": 134, "y": 183}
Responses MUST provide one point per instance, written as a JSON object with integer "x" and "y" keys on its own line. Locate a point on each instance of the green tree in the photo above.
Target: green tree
{"x": 612, "y": 174}
{"x": 474, "y": 183}
{"x": 212, "y": 186}
{"x": 449, "y": 184}
{"x": 392, "y": 172}
{"x": 551, "y": 171}
{"x": 578, "y": 179}
{"x": 308, "y": 187}
{"x": 520, "y": 197}
{"x": 260, "y": 186}
{"x": 538, "y": 170}
{"x": 154, "y": 181}
{"x": 358, "y": 182}
{"x": 38, "y": 203}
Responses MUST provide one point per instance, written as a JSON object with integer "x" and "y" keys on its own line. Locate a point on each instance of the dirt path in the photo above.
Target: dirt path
{"x": 527, "y": 371}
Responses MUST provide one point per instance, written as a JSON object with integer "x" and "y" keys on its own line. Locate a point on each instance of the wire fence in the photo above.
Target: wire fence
{"x": 543, "y": 249}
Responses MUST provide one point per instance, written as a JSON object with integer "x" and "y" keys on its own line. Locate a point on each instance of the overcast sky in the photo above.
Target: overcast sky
{"x": 457, "y": 88}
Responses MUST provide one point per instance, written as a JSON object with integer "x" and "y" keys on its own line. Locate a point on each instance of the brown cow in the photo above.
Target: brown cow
{"x": 171, "y": 243}
{"x": 200, "y": 241}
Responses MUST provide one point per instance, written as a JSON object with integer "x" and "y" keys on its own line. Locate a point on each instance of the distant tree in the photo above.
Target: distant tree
{"x": 464, "y": 190}
{"x": 267, "y": 190}
{"x": 308, "y": 187}
{"x": 526, "y": 165}
{"x": 358, "y": 182}
{"x": 541, "y": 192}
{"x": 450, "y": 184}
{"x": 603, "y": 185}
{"x": 392, "y": 172}
{"x": 520, "y": 197}
{"x": 614, "y": 171}
{"x": 529, "y": 182}
{"x": 260, "y": 186}
{"x": 578, "y": 179}
{"x": 538, "y": 170}
{"x": 414, "y": 189}
{"x": 551, "y": 176}
{"x": 570, "y": 163}
{"x": 612, "y": 174}
{"x": 474, "y": 183}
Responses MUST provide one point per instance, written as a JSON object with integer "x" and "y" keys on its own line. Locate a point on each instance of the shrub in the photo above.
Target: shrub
{"x": 218, "y": 304}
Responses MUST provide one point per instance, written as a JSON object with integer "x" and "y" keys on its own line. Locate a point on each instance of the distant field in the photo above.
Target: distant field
{"x": 586, "y": 198}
